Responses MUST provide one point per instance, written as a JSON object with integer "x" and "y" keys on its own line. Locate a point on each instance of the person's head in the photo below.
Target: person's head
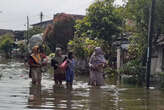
{"x": 41, "y": 49}
{"x": 58, "y": 52}
{"x": 70, "y": 55}
{"x": 35, "y": 49}
{"x": 98, "y": 51}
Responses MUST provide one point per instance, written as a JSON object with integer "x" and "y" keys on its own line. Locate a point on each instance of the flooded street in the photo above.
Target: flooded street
{"x": 17, "y": 93}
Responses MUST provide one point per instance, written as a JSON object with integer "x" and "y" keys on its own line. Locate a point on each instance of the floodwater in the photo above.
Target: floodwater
{"x": 17, "y": 93}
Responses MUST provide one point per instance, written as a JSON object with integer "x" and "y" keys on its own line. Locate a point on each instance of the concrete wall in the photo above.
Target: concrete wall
{"x": 119, "y": 58}
{"x": 156, "y": 64}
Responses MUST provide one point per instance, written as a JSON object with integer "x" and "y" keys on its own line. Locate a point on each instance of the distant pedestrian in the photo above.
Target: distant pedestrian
{"x": 96, "y": 64}
{"x": 70, "y": 69}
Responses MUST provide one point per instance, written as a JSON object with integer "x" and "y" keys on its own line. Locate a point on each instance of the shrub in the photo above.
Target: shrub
{"x": 134, "y": 69}
{"x": 6, "y": 43}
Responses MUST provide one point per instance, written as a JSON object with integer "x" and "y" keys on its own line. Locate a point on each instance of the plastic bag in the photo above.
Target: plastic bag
{"x": 64, "y": 65}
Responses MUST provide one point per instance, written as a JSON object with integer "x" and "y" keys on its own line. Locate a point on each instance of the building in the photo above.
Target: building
{"x": 5, "y": 31}
{"x": 18, "y": 35}
{"x": 157, "y": 62}
{"x": 44, "y": 24}
{"x": 122, "y": 45}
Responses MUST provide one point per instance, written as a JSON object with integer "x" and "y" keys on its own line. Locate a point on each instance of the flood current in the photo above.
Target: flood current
{"x": 17, "y": 93}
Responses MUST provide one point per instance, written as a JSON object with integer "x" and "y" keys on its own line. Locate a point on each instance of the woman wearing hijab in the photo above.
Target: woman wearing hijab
{"x": 59, "y": 75}
{"x": 96, "y": 64}
{"x": 70, "y": 69}
{"x": 35, "y": 62}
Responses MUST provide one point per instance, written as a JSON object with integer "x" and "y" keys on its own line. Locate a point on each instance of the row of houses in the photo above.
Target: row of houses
{"x": 18, "y": 35}
{"x": 157, "y": 58}
{"x": 44, "y": 24}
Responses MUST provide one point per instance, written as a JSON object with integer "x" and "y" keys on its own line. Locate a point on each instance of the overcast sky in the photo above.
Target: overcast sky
{"x": 13, "y": 13}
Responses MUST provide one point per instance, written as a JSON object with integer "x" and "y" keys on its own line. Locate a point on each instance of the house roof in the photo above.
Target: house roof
{"x": 44, "y": 22}
{"x": 4, "y": 31}
{"x": 51, "y": 21}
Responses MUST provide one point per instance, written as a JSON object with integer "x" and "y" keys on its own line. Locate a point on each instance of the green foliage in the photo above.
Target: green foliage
{"x": 134, "y": 69}
{"x": 111, "y": 73}
{"x": 137, "y": 18}
{"x": 137, "y": 46}
{"x": 102, "y": 21}
{"x": 130, "y": 68}
{"x": 137, "y": 11}
{"x": 83, "y": 47}
{"x": 159, "y": 16}
{"x": 6, "y": 42}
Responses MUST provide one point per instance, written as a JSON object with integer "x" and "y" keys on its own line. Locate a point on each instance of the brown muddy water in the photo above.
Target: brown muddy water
{"x": 17, "y": 93}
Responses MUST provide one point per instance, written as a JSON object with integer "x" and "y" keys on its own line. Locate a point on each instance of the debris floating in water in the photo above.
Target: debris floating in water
{"x": 151, "y": 88}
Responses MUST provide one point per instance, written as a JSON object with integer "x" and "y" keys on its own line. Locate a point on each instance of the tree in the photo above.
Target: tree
{"x": 83, "y": 47}
{"x": 102, "y": 21}
{"x": 159, "y": 16}
{"x": 137, "y": 18}
{"x": 61, "y": 32}
{"x": 6, "y": 42}
{"x": 137, "y": 11}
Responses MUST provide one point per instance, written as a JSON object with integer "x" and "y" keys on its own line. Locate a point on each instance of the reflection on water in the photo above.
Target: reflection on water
{"x": 94, "y": 95}
{"x": 17, "y": 93}
{"x": 35, "y": 97}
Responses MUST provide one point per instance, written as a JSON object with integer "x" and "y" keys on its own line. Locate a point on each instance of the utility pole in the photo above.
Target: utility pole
{"x": 149, "y": 49}
{"x": 27, "y": 29}
{"x": 41, "y": 17}
{"x": 27, "y": 36}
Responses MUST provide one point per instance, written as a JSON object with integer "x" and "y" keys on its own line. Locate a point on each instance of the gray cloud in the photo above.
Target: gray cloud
{"x": 14, "y": 12}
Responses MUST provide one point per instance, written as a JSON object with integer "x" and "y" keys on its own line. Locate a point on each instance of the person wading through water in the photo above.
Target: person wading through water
{"x": 70, "y": 69}
{"x": 96, "y": 64}
{"x": 35, "y": 62}
{"x": 59, "y": 75}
